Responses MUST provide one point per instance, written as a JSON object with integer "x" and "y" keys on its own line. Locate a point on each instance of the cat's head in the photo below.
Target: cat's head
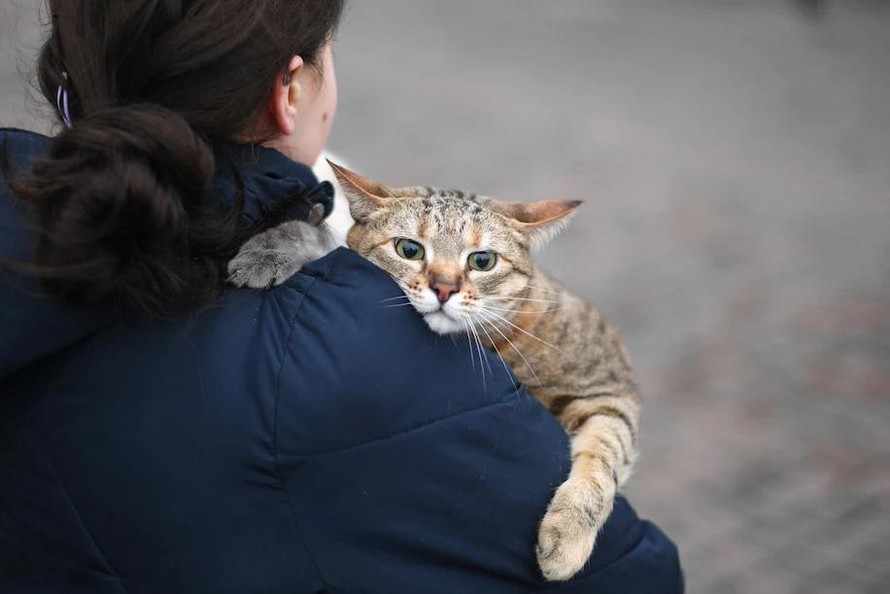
{"x": 462, "y": 260}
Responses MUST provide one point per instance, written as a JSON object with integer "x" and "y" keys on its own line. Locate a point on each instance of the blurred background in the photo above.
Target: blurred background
{"x": 734, "y": 156}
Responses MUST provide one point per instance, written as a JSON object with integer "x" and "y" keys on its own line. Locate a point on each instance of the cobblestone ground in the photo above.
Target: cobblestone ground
{"x": 735, "y": 160}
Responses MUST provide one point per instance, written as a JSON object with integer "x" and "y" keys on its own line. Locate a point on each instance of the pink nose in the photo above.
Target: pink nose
{"x": 444, "y": 289}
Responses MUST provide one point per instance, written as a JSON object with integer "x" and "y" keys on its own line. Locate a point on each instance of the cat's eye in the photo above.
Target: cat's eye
{"x": 482, "y": 261}
{"x": 410, "y": 250}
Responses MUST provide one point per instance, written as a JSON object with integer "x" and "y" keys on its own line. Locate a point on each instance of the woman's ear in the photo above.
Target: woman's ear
{"x": 365, "y": 195}
{"x": 286, "y": 94}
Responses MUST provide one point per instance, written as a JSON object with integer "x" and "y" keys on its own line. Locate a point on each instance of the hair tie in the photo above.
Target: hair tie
{"x": 62, "y": 102}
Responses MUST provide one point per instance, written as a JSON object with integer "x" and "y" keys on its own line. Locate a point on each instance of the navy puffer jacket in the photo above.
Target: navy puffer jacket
{"x": 302, "y": 439}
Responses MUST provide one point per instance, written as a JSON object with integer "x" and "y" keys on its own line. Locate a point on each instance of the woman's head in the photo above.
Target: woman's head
{"x": 215, "y": 63}
{"x": 153, "y": 85}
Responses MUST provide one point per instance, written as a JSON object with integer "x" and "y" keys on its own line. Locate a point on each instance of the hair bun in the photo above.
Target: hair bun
{"x": 114, "y": 199}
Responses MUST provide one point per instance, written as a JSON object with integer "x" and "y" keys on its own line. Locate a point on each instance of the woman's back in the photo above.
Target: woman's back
{"x": 306, "y": 438}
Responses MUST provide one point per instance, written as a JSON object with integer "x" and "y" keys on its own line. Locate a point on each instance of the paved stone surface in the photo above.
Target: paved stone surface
{"x": 735, "y": 160}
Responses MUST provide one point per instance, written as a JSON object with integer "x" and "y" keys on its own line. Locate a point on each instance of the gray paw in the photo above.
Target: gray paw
{"x": 274, "y": 256}
{"x": 261, "y": 269}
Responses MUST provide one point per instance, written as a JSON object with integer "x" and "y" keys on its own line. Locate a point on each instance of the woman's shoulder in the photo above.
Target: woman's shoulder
{"x": 17, "y": 136}
{"x": 32, "y": 326}
{"x": 19, "y": 148}
{"x": 360, "y": 364}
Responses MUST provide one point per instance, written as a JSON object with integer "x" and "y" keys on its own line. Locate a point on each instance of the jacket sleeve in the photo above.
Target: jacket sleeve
{"x": 426, "y": 471}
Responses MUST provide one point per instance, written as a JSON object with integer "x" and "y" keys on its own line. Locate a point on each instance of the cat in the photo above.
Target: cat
{"x": 463, "y": 261}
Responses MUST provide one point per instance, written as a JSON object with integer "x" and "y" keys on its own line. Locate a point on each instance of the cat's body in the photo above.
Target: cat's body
{"x": 464, "y": 263}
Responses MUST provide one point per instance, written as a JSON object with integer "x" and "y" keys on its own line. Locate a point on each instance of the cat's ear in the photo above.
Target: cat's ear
{"x": 365, "y": 195}
{"x": 540, "y": 221}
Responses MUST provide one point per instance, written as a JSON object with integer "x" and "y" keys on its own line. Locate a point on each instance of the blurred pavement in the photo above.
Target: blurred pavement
{"x": 735, "y": 161}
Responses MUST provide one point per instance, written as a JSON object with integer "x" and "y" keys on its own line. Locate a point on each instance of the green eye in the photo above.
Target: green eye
{"x": 410, "y": 250}
{"x": 482, "y": 261}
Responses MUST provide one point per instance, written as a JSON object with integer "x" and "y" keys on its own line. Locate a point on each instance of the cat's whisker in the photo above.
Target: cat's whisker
{"x": 501, "y": 357}
{"x": 527, "y": 299}
{"x": 469, "y": 343}
{"x": 513, "y": 346}
{"x": 482, "y": 360}
{"x": 393, "y": 298}
{"x": 398, "y": 305}
{"x": 522, "y": 310}
{"x": 523, "y": 330}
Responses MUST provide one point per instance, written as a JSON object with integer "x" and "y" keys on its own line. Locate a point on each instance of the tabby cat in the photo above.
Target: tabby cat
{"x": 463, "y": 262}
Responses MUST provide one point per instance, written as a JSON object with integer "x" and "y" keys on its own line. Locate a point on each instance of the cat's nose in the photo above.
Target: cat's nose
{"x": 444, "y": 289}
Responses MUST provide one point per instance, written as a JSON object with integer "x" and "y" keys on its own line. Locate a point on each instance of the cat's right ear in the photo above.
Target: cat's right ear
{"x": 365, "y": 195}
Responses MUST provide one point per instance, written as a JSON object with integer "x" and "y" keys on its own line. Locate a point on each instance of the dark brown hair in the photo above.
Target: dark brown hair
{"x": 153, "y": 86}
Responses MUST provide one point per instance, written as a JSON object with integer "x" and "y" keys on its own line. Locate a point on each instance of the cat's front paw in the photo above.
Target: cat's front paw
{"x": 272, "y": 257}
{"x": 569, "y": 528}
{"x": 262, "y": 269}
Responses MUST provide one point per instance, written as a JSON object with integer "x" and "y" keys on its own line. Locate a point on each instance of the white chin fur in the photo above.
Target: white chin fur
{"x": 440, "y": 323}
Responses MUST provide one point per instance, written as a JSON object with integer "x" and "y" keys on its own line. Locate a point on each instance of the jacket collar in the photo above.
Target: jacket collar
{"x": 268, "y": 180}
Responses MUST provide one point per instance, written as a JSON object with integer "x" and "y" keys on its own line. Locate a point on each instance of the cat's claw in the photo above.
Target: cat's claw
{"x": 568, "y": 531}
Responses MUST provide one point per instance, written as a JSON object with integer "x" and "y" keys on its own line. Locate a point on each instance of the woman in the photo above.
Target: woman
{"x": 163, "y": 434}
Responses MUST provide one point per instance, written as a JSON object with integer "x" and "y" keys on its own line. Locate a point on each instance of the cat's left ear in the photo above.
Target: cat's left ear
{"x": 365, "y": 195}
{"x": 540, "y": 221}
